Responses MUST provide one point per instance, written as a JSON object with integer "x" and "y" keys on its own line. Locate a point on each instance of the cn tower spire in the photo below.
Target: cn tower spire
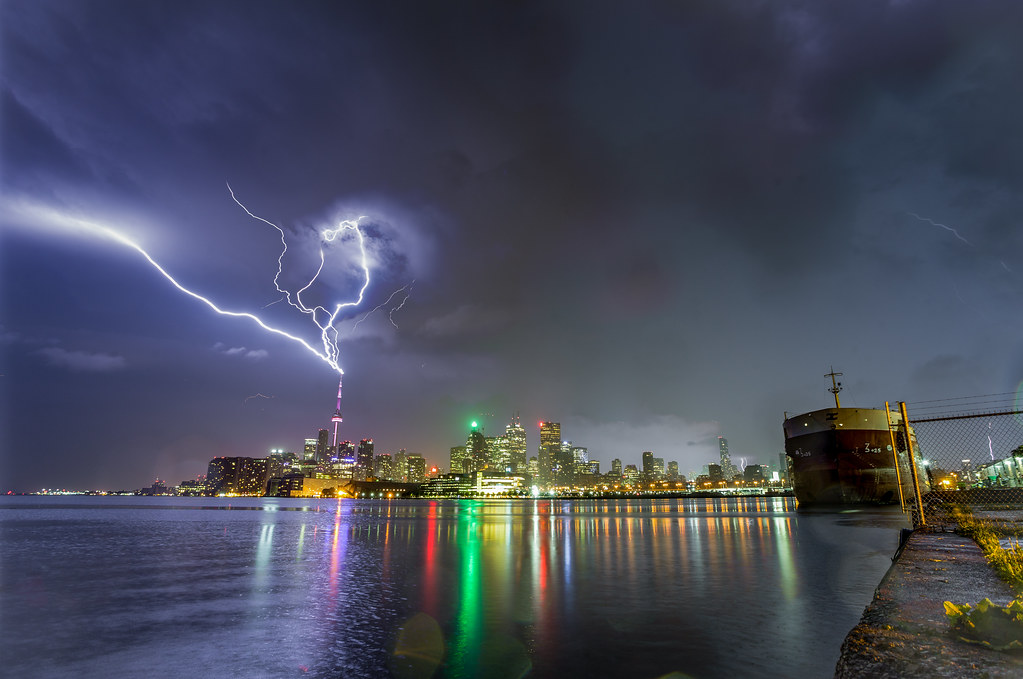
{"x": 337, "y": 413}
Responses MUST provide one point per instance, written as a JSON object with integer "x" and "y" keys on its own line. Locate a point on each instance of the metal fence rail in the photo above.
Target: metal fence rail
{"x": 973, "y": 464}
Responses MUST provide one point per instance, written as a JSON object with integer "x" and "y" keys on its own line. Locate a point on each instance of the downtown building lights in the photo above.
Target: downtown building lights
{"x": 484, "y": 466}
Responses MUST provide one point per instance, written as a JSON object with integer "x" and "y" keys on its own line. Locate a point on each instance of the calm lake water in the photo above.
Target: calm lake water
{"x": 211, "y": 587}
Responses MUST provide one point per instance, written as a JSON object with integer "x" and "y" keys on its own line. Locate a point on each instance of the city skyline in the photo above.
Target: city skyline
{"x": 656, "y": 225}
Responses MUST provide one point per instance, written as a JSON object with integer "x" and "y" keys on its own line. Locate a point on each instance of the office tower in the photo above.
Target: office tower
{"x": 400, "y": 473}
{"x": 648, "y": 466}
{"x": 459, "y": 460}
{"x": 673, "y": 471}
{"x": 342, "y": 464}
{"x": 309, "y": 449}
{"x": 476, "y": 448}
{"x": 580, "y": 459}
{"x": 322, "y": 446}
{"x": 631, "y": 475}
{"x": 498, "y": 454}
{"x": 516, "y": 435}
{"x": 550, "y": 448}
{"x": 715, "y": 473}
{"x": 658, "y": 469}
{"x": 363, "y": 460}
{"x": 416, "y": 468}
{"x": 728, "y": 470}
{"x": 383, "y": 467}
{"x": 616, "y": 467}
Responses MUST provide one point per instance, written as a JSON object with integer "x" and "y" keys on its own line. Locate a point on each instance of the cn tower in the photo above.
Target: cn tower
{"x": 336, "y": 419}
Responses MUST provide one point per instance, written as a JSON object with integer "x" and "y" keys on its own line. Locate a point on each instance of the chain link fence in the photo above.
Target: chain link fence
{"x": 973, "y": 465}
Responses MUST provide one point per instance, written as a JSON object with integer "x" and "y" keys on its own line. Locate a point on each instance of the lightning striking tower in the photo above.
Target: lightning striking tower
{"x": 336, "y": 419}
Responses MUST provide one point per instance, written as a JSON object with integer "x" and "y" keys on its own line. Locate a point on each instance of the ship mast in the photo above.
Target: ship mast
{"x": 835, "y": 386}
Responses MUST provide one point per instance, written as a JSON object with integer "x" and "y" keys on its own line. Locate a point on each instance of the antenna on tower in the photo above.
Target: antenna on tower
{"x": 835, "y": 386}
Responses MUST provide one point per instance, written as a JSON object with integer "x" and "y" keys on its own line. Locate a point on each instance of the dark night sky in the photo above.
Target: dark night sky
{"x": 654, "y": 222}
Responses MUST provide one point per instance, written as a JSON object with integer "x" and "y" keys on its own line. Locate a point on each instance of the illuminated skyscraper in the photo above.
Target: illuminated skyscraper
{"x": 400, "y": 473}
{"x": 616, "y": 467}
{"x": 580, "y": 459}
{"x": 550, "y": 448}
{"x": 658, "y": 468}
{"x": 383, "y": 467}
{"x": 476, "y": 449}
{"x": 728, "y": 470}
{"x": 459, "y": 460}
{"x": 364, "y": 460}
{"x": 416, "y": 468}
{"x": 516, "y": 435}
{"x": 309, "y": 449}
{"x": 322, "y": 446}
{"x": 648, "y": 466}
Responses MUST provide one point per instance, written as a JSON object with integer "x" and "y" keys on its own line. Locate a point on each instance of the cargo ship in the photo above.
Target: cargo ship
{"x": 843, "y": 456}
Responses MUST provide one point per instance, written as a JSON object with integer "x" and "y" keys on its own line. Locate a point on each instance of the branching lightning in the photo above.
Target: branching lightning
{"x": 325, "y": 319}
{"x": 259, "y": 395}
{"x": 407, "y": 289}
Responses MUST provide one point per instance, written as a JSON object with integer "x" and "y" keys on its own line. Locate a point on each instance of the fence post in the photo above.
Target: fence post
{"x": 912, "y": 466}
{"x": 895, "y": 456}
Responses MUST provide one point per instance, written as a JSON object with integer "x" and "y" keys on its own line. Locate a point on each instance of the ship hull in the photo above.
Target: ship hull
{"x": 845, "y": 456}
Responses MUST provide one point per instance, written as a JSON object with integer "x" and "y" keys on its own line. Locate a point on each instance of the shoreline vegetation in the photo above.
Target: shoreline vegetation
{"x": 989, "y": 536}
{"x": 985, "y": 623}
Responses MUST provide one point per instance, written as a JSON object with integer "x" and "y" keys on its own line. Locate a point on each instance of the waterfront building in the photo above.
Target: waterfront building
{"x": 753, "y": 475}
{"x": 616, "y": 467}
{"x": 673, "y": 471}
{"x": 497, "y": 483}
{"x": 658, "y": 468}
{"x": 533, "y": 466}
{"x": 236, "y": 476}
{"x": 631, "y": 475}
{"x": 448, "y": 485}
{"x": 715, "y": 474}
{"x": 516, "y": 435}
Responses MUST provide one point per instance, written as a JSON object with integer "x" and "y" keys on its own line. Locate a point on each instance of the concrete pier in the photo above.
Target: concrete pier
{"x": 904, "y": 631}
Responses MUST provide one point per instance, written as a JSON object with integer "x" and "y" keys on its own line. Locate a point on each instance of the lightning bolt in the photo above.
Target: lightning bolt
{"x": 407, "y": 289}
{"x": 248, "y": 398}
{"x": 324, "y": 319}
{"x": 947, "y": 228}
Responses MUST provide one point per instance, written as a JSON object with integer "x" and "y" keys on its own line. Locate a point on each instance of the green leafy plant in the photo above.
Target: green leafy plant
{"x": 988, "y": 624}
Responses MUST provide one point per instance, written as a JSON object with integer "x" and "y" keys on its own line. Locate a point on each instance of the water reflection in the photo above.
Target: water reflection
{"x": 708, "y": 587}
